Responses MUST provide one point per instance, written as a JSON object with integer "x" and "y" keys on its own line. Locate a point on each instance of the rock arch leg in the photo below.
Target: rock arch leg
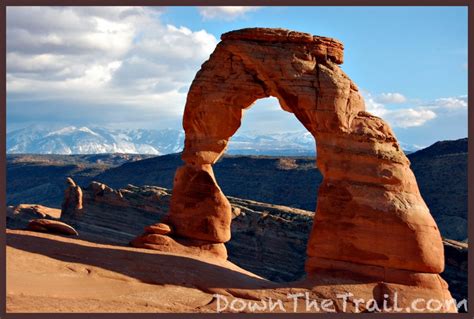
{"x": 220, "y": 93}
{"x": 214, "y": 107}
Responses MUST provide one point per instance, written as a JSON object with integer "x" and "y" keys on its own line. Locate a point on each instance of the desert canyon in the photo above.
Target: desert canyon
{"x": 151, "y": 249}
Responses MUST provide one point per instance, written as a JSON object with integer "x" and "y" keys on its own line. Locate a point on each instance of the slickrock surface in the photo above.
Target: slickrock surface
{"x": 268, "y": 240}
{"x": 71, "y": 275}
{"x": 370, "y": 219}
{"x": 180, "y": 245}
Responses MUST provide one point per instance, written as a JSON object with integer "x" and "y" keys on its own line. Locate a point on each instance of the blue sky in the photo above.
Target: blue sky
{"x": 131, "y": 67}
{"x": 382, "y": 44}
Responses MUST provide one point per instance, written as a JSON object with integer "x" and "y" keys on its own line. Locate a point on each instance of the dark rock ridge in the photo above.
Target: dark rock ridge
{"x": 455, "y": 273}
{"x": 442, "y": 148}
{"x": 260, "y": 178}
{"x": 34, "y": 178}
{"x": 440, "y": 167}
{"x": 441, "y": 173}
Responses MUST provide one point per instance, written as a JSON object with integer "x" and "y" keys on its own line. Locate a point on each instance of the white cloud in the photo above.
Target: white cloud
{"x": 391, "y": 98}
{"x": 451, "y": 103}
{"x": 399, "y": 117}
{"x": 71, "y": 30}
{"x": 224, "y": 12}
{"x": 100, "y": 59}
{"x": 409, "y": 117}
{"x": 416, "y": 115}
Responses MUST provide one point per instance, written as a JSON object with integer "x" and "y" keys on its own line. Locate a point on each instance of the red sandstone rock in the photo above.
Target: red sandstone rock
{"x": 320, "y": 46}
{"x": 198, "y": 209}
{"x": 159, "y": 228}
{"x": 180, "y": 246}
{"x": 370, "y": 212}
{"x": 72, "y": 203}
{"x": 51, "y": 226}
{"x": 39, "y": 211}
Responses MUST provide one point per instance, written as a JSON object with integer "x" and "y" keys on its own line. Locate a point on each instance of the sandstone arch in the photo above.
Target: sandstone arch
{"x": 370, "y": 216}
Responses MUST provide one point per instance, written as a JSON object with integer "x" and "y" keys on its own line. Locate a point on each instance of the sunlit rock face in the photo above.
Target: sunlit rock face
{"x": 371, "y": 220}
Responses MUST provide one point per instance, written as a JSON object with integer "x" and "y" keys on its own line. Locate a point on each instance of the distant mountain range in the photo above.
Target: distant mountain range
{"x": 97, "y": 140}
{"x": 83, "y": 140}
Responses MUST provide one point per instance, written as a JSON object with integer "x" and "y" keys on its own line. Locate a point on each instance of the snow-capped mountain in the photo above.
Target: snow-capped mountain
{"x": 99, "y": 140}
{"x": 284, "y": 143}
{"x": 95, "y": 140}
{"x": 410, "y": 148}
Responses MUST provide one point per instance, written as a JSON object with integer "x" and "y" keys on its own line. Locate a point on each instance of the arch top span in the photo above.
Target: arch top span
{"x": 319, "y": 45}
{"x": 299, "y": 69}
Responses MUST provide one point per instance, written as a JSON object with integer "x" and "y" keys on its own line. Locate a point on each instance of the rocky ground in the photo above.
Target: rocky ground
{"x": 269, "y": 240}
{"x": 72, "y": 275}
{"x": 101, "y": 271}
{"x": 51, "y": 273}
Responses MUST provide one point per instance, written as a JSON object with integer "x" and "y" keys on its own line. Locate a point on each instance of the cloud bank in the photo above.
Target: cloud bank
{"x": 106, "y": 61}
